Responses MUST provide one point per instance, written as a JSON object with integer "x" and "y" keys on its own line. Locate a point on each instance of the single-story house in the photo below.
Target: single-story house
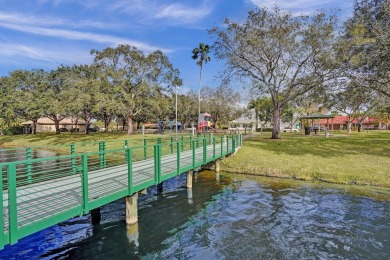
{"x": 45, "y": 124}
{"x": 240, "y": 124}
{"x": 340, "y": 122}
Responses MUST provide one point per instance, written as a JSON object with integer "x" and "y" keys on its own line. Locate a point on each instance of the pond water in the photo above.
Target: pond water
{"x": 235, "y": 217}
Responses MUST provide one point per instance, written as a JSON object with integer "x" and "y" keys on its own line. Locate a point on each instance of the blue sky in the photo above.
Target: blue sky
{"x": 48, "y": 33}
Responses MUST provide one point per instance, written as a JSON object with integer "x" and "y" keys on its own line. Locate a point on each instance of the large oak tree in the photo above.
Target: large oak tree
{"x": 286, "y": 55}
{"x": 134, "y": 76}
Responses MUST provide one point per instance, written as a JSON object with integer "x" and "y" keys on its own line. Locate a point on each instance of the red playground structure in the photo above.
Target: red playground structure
{"x": 204, "y": 123}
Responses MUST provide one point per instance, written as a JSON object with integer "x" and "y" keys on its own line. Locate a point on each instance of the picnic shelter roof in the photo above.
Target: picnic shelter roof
{"x": 317, "y": 116}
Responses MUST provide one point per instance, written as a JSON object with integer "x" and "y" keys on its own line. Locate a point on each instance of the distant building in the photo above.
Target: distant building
{"x": 340, "y": 122}
{"x": 240, "y": 124}
{"x": 45, "y": 124}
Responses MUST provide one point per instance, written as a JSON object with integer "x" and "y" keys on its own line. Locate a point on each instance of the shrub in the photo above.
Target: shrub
{"x": 13, "y": 130}
{"x": 264, "y": 129}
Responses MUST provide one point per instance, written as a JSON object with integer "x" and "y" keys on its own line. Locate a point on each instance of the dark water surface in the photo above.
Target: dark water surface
{"x": 237, "y": 217}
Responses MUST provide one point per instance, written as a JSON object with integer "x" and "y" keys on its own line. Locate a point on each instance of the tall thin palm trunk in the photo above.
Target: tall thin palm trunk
{"x": 200, "y": 86}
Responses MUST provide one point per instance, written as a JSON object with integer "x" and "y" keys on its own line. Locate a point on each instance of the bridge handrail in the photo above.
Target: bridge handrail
{"x": 72, "y": 148}
{"x": 34, "y": 160}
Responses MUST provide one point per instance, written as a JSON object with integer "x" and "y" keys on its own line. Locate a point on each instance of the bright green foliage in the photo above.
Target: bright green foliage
{"x": 82, "y": 92}
{"x": 55, "y": 97}
{"x": 29, "y": 90}
{"x": 134, "y": 76}
{"x": 8, "y": 103}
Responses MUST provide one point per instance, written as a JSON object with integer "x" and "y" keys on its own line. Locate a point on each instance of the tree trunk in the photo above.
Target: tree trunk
{"x": 200, "y": 85}
{"x": 57, "y": 125}
{"x": 107, "y": 121}
{"x": 34, "y": 126}
{"x": 130, "y": 125}
{"x": 349, "y": 127}
{"x": 138, "y": 123}
{"x": 86, "y": 127}
{"x": 257, "y": 121}
{"x": 276, "y": 120}
{"x": 359, "y": 127}
{"x": 124, "y": 124}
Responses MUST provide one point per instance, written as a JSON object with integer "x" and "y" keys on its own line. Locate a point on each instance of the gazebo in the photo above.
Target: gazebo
{"x": 311, "y": 121}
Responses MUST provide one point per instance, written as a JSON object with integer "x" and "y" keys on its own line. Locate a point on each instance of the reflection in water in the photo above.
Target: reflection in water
{"x": 19, "y": 154}
{"x": 239, "y": 217}
{"x": 189, "y": 195}
{"x": 133, "y": 234}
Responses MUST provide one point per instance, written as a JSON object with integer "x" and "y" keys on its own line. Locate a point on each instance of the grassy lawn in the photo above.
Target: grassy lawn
{"x": 361, "y": 158}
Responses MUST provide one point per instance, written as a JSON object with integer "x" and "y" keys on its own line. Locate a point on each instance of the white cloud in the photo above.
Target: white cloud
{"x": 184, "y": 14}
{"x": 44, "y": 54}
{"x": 15, "y": 18}
{"x": 176, "y": 13}
{"x": 77, "y": 35}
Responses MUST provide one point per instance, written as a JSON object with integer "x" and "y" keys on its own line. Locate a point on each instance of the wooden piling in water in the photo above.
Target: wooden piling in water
{"x": 189, "y": 178}
{"x": 132, "y": 209}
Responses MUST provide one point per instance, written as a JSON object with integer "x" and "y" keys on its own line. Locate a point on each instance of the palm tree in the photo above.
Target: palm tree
{"x": 201, "y": 53}
{"x": 255, "y": 104}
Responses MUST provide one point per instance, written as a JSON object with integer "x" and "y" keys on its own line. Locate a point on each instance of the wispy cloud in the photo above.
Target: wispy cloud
{"x": 16, "y": 18}
{"x": 43, "y": 54}
{"x": 176, "y": 13}
{"x": 78, "y": 35}
{"x": 183, "y": 13}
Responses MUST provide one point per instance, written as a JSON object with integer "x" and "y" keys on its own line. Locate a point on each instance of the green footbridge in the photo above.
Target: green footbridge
{"x": 40, "y": 192}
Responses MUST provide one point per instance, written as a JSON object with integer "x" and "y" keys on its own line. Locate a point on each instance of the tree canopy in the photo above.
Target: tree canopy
{"x": 134, "y": 76}
{"x": 286, "y": 55}
{"x": 364, "y": 47}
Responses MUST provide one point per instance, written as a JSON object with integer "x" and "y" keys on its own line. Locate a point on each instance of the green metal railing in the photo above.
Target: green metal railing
{"x": 41, "y": 192}
{"x": 17, "y": 154}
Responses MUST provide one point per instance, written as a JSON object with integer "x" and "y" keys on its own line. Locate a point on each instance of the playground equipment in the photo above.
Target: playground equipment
{"x": 204, "y": 123}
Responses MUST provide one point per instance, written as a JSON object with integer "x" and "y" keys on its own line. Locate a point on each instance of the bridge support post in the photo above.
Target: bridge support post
{"x": 132, "y": 209}
{"x": 189, "y": 178}
{"x": 96, "y": 216}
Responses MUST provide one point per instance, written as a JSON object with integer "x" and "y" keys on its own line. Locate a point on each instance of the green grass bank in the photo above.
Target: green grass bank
{"x": 361, "y": 158}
